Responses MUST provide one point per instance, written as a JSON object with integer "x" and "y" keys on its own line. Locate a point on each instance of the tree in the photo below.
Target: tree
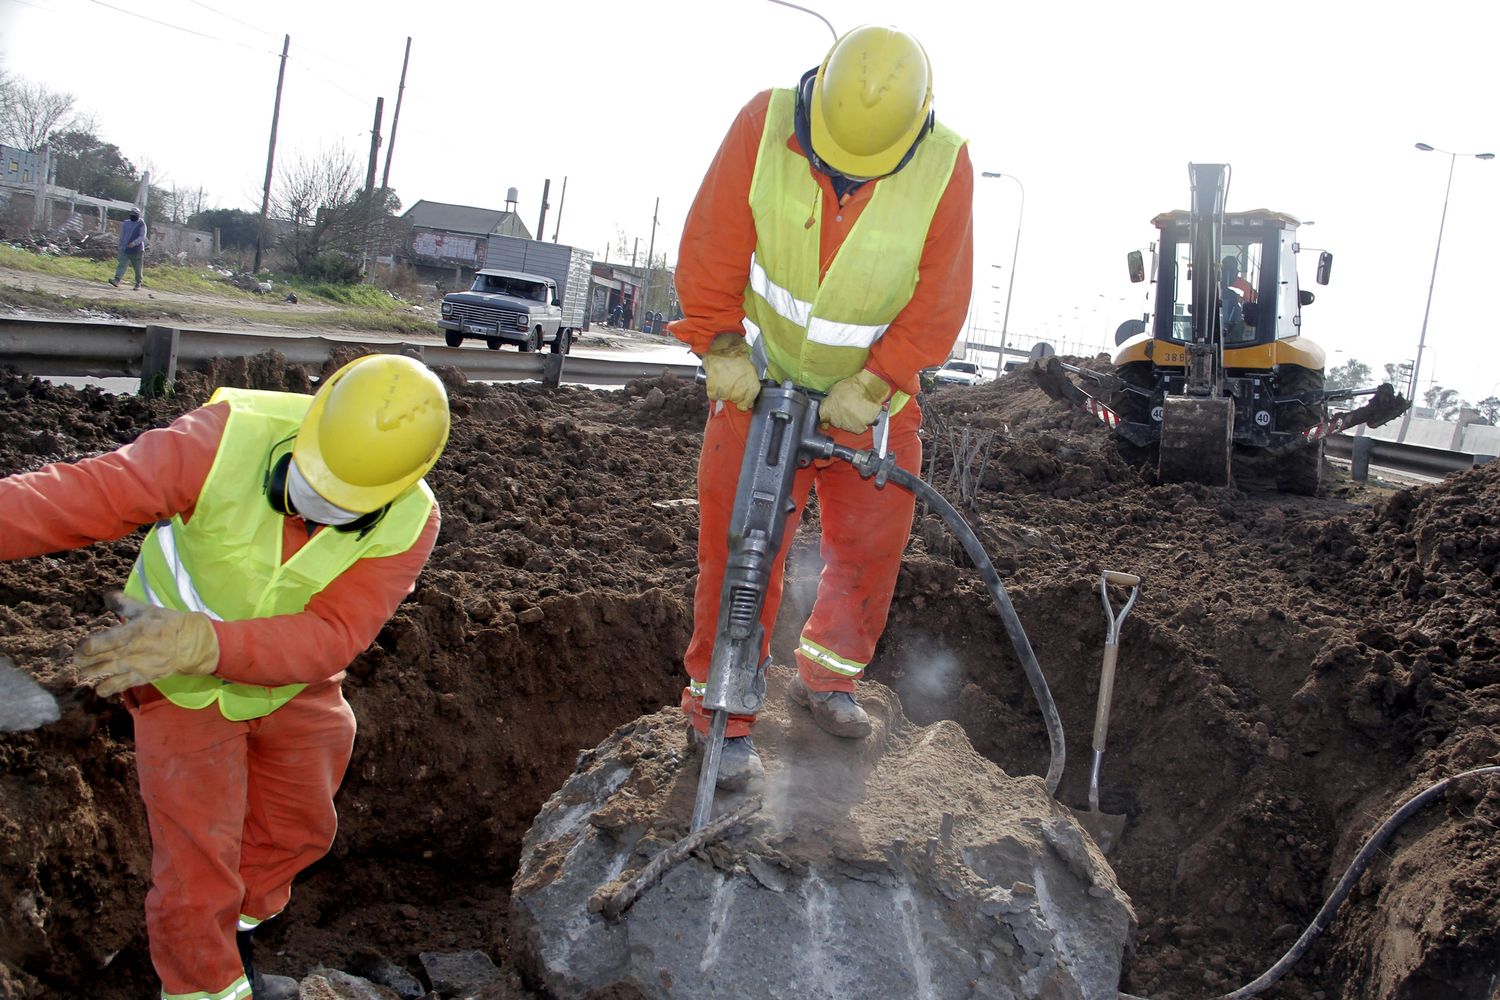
{"x": 1489, "y": 409}
{"x": 1398, "y": 374}
{"x": 236, "y": 228}
{"x": 89, "y": 165}
{"x": 31, "y": 113}
{"x": 1352, "y": 374}
{"x": 332, "y": 217}
{"x": 1445, "y": 403}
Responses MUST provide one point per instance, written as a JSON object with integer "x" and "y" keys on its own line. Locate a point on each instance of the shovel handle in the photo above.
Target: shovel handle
{"x": 1106, "y": 695}
{"x": 1121, "y": 579}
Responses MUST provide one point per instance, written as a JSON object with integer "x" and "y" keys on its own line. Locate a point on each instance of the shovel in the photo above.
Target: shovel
{"x": 24, "y": 704}
{"x": 1106, "y": 828}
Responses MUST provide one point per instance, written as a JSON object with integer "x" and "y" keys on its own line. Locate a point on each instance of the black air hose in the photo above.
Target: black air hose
{"x": 868, "y": 463}
{"x": 1351, "y": 875}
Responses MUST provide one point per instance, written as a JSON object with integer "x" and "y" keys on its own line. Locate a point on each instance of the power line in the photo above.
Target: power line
{"x": 174, "y": 27}
{"x": 231, "y": 17}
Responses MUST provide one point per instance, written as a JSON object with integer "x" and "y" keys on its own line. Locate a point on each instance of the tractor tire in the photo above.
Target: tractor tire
{"x": 1301, "y": 471}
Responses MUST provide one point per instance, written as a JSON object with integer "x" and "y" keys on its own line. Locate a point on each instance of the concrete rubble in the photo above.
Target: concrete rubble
{"x": 906, "y": 866}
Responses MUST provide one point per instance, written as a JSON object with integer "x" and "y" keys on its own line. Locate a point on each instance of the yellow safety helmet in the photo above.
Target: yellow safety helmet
{"x": 870, "y": 101}
{"x": 375, "y": 427}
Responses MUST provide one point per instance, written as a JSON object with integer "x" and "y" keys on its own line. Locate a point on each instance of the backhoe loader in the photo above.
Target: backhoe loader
{"x": 1219, "y": 368}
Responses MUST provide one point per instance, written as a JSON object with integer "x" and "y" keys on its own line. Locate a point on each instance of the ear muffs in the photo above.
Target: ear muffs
{"x": 275, "y": 486}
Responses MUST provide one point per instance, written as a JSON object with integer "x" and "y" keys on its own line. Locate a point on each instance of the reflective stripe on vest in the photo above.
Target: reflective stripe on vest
{"x": 226, "y": 561}
{"x": 818, "y": 329}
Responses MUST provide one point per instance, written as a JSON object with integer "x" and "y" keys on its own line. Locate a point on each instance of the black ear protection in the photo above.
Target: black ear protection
{"x": 275, "y": 487}
{"x": 802, "y": 123}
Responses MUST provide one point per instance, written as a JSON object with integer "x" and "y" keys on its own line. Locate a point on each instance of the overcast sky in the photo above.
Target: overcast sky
{"x": 1096, "y": 108}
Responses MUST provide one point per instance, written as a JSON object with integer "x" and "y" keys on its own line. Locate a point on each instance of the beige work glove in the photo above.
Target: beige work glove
{"x": 853, "y": 403}
{"x": 152, "y": 643}
{"x": 731, "y": 374}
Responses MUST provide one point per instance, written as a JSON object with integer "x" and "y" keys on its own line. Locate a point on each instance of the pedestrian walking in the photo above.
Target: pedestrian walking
{"x": 132, "y": 247}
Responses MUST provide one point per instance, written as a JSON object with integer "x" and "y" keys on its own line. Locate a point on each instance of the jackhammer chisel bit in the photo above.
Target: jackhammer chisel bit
{"x": 783, "y": 437}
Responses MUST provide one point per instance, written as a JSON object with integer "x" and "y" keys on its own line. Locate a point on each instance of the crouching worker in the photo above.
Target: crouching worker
{"x": 285, "y": 530}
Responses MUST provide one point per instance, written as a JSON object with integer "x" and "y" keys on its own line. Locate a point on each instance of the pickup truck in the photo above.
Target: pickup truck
{"x": 507, "y": 307}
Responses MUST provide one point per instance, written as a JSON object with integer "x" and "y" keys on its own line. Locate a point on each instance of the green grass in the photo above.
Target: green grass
{"x": 365, "y": 308}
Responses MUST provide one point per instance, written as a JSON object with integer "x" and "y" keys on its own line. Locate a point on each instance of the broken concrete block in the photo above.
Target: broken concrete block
{"x": 458, "y": 974}
{"x": 849, "y": 881}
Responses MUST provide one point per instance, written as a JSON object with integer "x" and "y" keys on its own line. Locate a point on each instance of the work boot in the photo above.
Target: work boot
{"x": 115, "y": 282}
{"x": 835, "y": 712}
{"x": 739, "y": 762}
{"x": 263, "y": 987}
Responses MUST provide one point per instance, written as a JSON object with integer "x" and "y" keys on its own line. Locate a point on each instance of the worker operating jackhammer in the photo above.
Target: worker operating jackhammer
{"x": 286, "y": 529}
{"x": 830, "y": 244}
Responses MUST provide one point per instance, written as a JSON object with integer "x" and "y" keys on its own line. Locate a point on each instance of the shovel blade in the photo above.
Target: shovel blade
{"x": 24, "y": 704}
{"x": 1105, "y": 828}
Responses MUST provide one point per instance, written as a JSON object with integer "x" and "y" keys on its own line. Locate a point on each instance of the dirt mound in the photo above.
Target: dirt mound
{"x": 1294, "y": 668}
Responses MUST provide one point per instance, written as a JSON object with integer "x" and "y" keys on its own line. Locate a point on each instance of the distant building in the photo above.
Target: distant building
{"x": 447, "y": 241}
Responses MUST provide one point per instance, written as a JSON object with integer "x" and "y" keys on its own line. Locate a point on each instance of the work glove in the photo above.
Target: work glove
{"x": 152, "y": 643}
{"x": 731, "y": 374}
{"x": 853, "y": 403}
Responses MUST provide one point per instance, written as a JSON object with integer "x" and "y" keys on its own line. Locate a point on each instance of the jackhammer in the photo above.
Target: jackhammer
{"x": 783, "y": 438}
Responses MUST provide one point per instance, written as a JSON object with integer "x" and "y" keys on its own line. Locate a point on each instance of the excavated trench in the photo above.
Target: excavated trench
{"x": 1293, "y": 669}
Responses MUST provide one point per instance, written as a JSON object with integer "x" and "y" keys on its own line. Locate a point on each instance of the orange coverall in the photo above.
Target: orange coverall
{"x": 235, "y": 809}
{"x": 864, "y": 528}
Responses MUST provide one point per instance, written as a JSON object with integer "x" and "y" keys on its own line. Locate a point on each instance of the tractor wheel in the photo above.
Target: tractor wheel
{"x": 1300, "y": 471}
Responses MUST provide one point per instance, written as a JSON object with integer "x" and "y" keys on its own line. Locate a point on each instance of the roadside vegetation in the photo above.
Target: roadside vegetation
{"x": 365, "y": 308}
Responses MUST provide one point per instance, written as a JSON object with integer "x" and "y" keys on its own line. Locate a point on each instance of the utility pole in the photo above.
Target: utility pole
{"x": 650, "y": 250}
{"x": 557, "y": 226}
{"x": 390, "y": 147}
{"x": 374, "y": 146}
{"x": 541, "y": 222}
{"x": 371, "y": 206}
{"x": 265, "y": 200}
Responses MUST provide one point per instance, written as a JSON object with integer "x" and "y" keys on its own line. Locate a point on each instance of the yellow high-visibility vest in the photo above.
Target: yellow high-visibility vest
{"x": 818, "y": 331}
{"x": 226, "y": 561}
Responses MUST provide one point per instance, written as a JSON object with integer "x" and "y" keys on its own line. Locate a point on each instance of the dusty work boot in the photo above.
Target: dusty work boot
{"x": 263, "y": 987}
{"x": 835, "y": 712}
{"x": 739, "y": 762}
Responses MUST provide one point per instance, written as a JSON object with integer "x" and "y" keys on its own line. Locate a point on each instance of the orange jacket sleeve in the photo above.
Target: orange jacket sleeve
{"x": 70, "y": 505}
{"x": 719, "y": 237}
{"x": 160, "y": 474}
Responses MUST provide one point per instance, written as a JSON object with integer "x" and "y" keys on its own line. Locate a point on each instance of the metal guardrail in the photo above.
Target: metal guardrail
{"x": 102, "y": 349}
{"x": 1403, "y": 457}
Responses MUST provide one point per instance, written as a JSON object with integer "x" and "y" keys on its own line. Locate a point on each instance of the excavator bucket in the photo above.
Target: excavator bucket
{"x": 1197, "y": 439}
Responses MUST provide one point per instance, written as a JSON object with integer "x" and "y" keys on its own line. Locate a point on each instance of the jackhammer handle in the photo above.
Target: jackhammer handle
{"x": 1106, "y": 695}
{"x": 1121, "y": 579}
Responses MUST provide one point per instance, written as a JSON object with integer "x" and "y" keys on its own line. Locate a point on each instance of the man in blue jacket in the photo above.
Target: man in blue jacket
{"x": 132, "y": 245}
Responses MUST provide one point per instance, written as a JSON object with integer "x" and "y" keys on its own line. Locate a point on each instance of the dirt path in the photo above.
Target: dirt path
{"x": 1295, "y": 667}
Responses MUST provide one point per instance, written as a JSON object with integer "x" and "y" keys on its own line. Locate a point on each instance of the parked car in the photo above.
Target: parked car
{"x": 957, "y": 372}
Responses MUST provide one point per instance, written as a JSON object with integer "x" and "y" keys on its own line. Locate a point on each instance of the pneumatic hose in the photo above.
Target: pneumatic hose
{"x": 867, "y": 462}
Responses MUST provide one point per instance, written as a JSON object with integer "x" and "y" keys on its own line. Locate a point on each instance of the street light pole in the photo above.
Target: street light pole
{"x": 1005, "y": 323}
{"x": 1411, "y": 385}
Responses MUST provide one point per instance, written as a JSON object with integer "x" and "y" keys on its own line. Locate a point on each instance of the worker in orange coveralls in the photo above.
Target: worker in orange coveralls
{"x": 285, "y": 530}
{"x": 830, "y": 243}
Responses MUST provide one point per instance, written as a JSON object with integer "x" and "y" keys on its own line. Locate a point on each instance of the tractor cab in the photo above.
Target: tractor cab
{"x": 1259, "y": 302}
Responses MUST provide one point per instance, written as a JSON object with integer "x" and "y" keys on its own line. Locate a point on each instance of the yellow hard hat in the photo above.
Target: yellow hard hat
{"x": 375, "y": 427}
{"x": 870, "y": 101}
